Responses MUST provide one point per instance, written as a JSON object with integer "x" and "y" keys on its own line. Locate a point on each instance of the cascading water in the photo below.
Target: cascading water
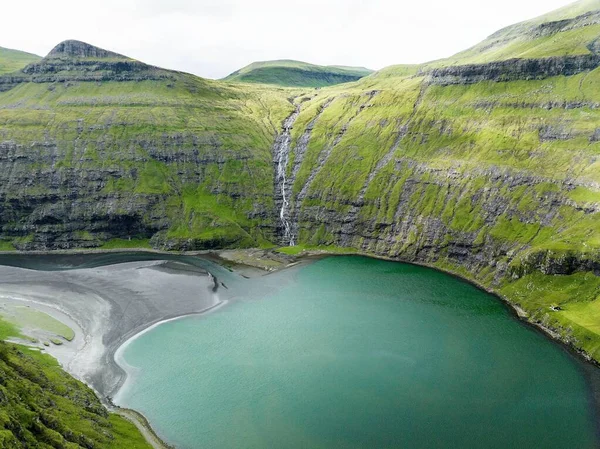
{"x": 281, "y": 152}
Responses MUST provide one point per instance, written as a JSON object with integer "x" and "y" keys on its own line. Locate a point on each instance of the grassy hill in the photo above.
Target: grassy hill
{"x": 571, "y": 30}
{"x": 13, "y": 60}
{"x": 43, "y": 407}
{"x": 296, "y": 74}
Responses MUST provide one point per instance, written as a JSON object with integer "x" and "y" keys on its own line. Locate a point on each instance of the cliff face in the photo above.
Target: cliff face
{"x": 102, "y": 147}
{"x": 463, "y": 175}
{"x": 514, "y": 69}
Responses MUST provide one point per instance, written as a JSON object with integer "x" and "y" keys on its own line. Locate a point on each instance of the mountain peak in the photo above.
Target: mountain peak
{"x": 78, "y": 49}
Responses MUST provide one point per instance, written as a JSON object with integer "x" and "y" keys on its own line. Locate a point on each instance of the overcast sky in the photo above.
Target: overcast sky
{"x": 212, "y": 38}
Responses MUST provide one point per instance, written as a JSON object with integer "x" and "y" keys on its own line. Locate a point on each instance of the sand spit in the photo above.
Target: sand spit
{"x": 106, "y": 306}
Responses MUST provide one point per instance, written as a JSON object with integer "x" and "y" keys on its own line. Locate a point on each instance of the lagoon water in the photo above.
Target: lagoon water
{"x": 349, "y": 352}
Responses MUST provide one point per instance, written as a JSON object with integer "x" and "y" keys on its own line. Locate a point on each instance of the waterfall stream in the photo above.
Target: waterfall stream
{"x": 281, "y": 152}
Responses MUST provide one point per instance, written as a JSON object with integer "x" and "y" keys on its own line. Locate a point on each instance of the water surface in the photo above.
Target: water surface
{"x": 350, "y": 352}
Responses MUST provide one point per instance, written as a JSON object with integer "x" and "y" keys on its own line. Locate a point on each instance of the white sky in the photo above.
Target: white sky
{"x": 212, "y": 38}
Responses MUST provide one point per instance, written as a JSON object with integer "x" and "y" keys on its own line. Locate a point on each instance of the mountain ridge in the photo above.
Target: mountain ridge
{"x": 578, "y": 24}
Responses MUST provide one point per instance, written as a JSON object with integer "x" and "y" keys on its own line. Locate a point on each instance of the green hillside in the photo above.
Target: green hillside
{"x": 145, "y": 151}
{"x": 572, "y": 30}
{"x": 13, "y": 60}
{"x": 297, "y": 74}
{"x": 43, "y": 407}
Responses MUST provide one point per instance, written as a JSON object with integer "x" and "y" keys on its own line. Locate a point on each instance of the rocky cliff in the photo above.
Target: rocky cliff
{"x": 462, "y": 176}
{"x": 514, "y": 69}
{"x": 82, "y": 50}
{"x": 100, "y": 147}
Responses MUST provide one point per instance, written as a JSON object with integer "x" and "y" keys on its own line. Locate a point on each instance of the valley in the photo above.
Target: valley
{"x": 483, "y": 165}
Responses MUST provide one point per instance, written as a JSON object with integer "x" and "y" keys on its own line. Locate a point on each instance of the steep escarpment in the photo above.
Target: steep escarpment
{"x": 464, "y": 177}
{"x": 96, "y": 147}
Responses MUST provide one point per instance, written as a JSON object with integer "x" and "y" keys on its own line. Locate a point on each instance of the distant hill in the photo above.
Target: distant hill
{"x": 13, "y": 60}
{"x": 297, "y": 74}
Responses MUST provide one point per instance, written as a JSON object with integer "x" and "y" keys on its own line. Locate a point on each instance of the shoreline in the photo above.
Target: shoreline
{"x": 108, "y": 306}
{"x": 136, "y": 416}
{"x": 589, "y": 366}
{"x": 119, "y": 359}
{"x": 111, "y": 358}
{"x": 141, "y": 422}
{"x": 215, "y": 256}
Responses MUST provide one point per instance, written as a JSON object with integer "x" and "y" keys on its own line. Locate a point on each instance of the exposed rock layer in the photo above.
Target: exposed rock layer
{"x": 514, "y": 69}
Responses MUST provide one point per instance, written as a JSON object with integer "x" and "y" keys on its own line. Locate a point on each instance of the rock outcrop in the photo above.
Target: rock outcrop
{"x": 74, "y": 61}
{"x": 514, "y": 69}
{"x": 78, "y": 49}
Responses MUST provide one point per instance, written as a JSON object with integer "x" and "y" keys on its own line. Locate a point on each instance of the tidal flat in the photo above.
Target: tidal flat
{"x": 104, "y": 300}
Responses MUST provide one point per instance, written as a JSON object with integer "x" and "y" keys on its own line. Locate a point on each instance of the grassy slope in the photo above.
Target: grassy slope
{"x": 475, "y": 171}
{"x": 296, "y": 74}
{"x": 103, "y": 126}
{"x": 43, "y": 407}
{"x": 13, "y": 60}
{"x": 524, "y": 40}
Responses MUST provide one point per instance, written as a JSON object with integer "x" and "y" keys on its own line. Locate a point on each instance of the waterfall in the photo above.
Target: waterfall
{"x": 281, "y": 152}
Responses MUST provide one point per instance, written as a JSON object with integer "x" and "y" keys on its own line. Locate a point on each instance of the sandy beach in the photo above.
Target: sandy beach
{"x": 106, "y": 306}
